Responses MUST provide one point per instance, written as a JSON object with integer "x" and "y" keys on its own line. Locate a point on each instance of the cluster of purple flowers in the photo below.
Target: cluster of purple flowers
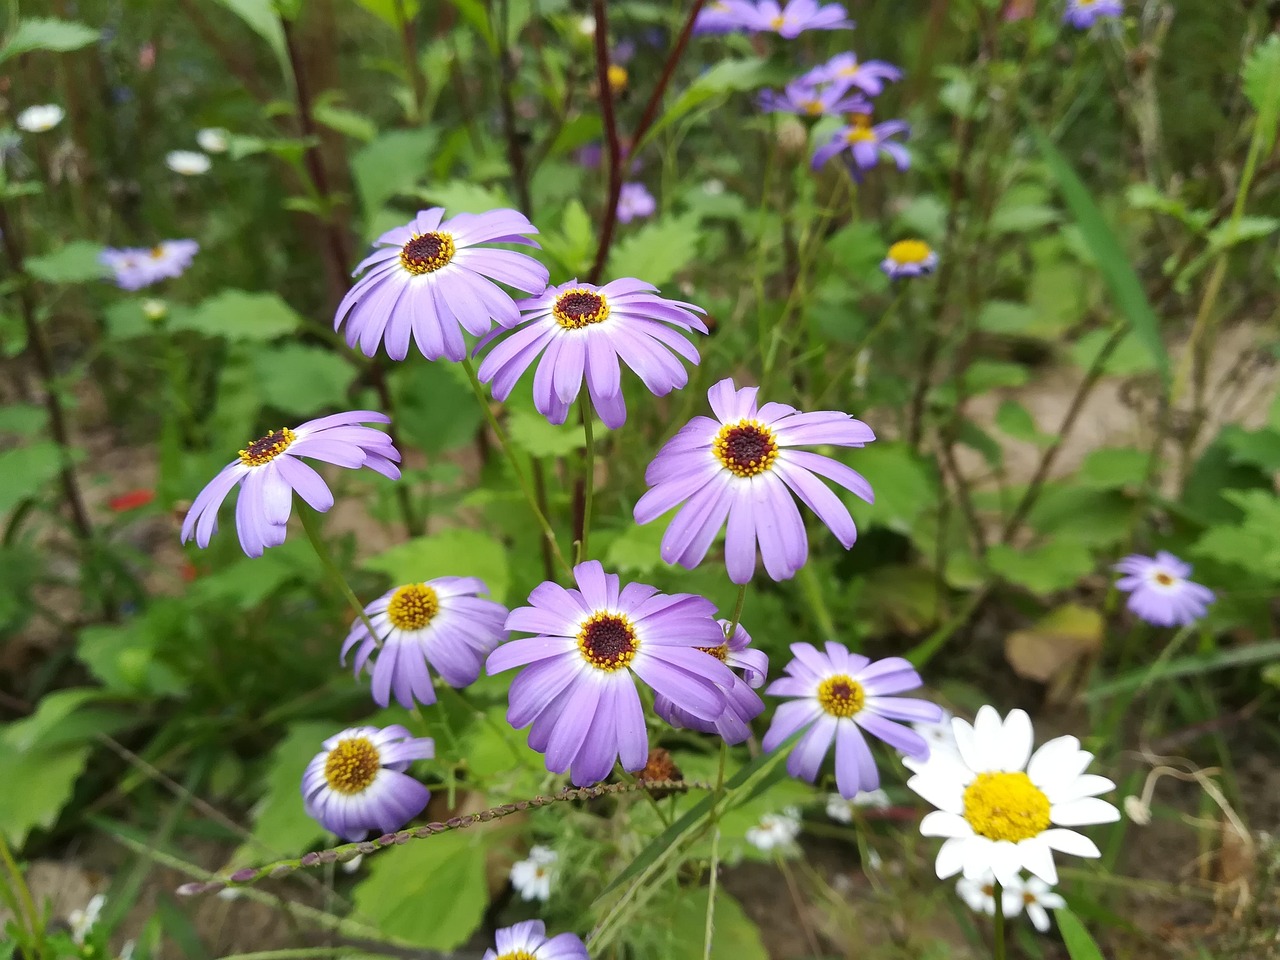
{"x": 133, "y": 268}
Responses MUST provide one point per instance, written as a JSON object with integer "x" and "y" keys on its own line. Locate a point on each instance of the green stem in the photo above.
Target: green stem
{"x": 505, "y": 443}
{"x": 733, "y": 623}
{"x": 588, "y": 476}
{"x": 23, "y": 893}
{"x": 312, "y": 529}
{"x": 999, "y": 951}
{"x": 812, "y": 591}
{"x": 709, "y": 928}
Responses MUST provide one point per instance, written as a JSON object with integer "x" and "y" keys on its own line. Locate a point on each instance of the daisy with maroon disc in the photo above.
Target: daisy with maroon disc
{"x": 578, "y": 685}
{"x": 270, "y": 470}
{"x": 442, "y": 624}
{"x": 433, "y": 278}
{"x": 583, "y": 334}
{"x": 742, "y": 703}
{"x": 743, "y": 471}
{"x": 1159, "y": 591}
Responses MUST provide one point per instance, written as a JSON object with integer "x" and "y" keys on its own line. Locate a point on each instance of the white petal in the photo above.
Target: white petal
{"x": 1075, "y": 813}
{"x": 943, "y": 792}
{"x": 1038, "y": 859}
{"x": 971, "y": 753}
{"x": 979, "y": 853}
{"x": 1087, "y": 785}
{"x": 1047, "y": 763}
{"x": 988, "y": 735}
{"x": 939, "y": 823}
{"x": 1006, "y": 860}
{"x": 951, "y": 858}
{"x": 1038, "y": 917}
{"x": 1017, "y": 740}
{"x": 1069, "y": 841}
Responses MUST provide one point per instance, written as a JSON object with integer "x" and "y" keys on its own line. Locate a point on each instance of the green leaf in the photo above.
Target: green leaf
{"x": 390, "y": 165}
{"x": 452, "y": 553}
{"x": 1117, "y": 273}
{"x": 431, "y": 892}
{"x": 75, "y": 262}
{"x": 125, "y": 657}
{"x": 1256, "y": 654}
{"x": 1258, "y": 447}
{"x": 1015, "y": 420}
{"x": 1067, "y": 511}
{"x": 23, "y": 419}
{"x": 637, "y": 550}
{"x": 28, "y": 472}
{"x": 728, "y": 76}
{"x": 1261, "y": 80}
{"x": 436, "y": 409}
{"x": 657, "y": 251}
{"x": 46, "y": 33}
{"x": 903, "y": 483}
{"x": 572, "y": 246}
{"x": 261, "y": 17}
{"x": 536, "y": 436}
{"x": 681, "y": 934}
{"x": 239, "y": 315}
{"x": 392, "y": 12}
{"x": 1234, "y": 232}
{"x": 1252, "y": 544}
{"x": 347, "y": 122}
{"x": 46, "y": 777}
{"x": 1080, "y": 945}
{"x": 1023, "y": 219}
{"x": 301, "y": 379}
{"x": 1113, "y": 468}
{"x": 1042, "y": 570}
{"x": 128, "y": 318}
{"x": 281, "y": 828}
{"x": 1006, "y": 317}
{"x": 1129, "y": 358}
{"x": 463, "y": 196}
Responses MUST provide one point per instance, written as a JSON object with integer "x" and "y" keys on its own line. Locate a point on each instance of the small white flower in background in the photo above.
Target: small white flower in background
{"x": 532, "y": 877}
{"x": 40, "y": 118}
{"x": 587, "y": 26}
{"x": 155, "y": 310}
{"x": 213, "y": 140}
{"x": 713, "y": 188}
{"x": 940, "y": 736}
{"x": 776, "y": 831}
{"x": 980, "y": 895}
{"x": 82, "y": 921}
{"x": 189, "y": 163}
{"x": 1038, "y": 899}
{"x": 840, "y": 809}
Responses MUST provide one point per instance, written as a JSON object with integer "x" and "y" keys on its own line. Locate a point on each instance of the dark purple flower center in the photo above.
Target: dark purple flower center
{"x": 427, "y": 252}
{"x": 841, "y": 695}
{"x": 265, "y": 450}
{"x": 607, "y": 641}
{"x": 580, "y": 307}
{"x": 413, "y": 606}
{"x": 352, "y": 765}
{"x": 746, "y": 447}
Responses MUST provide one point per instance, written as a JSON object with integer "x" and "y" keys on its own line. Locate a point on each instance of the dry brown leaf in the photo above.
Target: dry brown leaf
{"x": 1046, "y": 650}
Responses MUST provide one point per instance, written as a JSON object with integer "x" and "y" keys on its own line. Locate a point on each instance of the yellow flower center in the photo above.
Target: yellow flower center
{"x": 851, "y": 70}
{"x": 580, "y": 307}
{"x": 427, "y": 253}
{"x": 745, "y": 448}
{"x": 721, "y": 652}
{"x": 265, "y": 450}
{"x": 812, "y": 107}
{"x": 607, "y": 641}
{"x": 617, "y": 78}
{"x": 517, "y": 955}
{"x": 841, "y": 695}
{"x": 777, "y": 23}
{"x": 413, "y": 606}
{"x": 352, "y": 765}
{"x": 1006, "y": 806}
{"x": 860, "y": 129}
{"x": 157, "y": 252}
{"x": 1163, "y": 579}
{"x": 909, "y": 251}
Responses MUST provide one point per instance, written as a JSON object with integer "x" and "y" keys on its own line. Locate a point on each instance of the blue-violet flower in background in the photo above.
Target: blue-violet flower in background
{"x": 845, "y": 70}
{"x": 635, "y": 203}
{"x": 807, "y": 100}
{"x": 1159, "y": 591}
{"x": 866, "y": 144}
{"x": 1083, "y": 14}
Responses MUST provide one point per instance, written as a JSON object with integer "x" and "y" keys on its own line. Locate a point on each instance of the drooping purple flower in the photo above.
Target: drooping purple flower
{"x": 1083, "y": 14}
{"x": 357, "y": 783}
{"x": 134, "y": 267}
{"x": 725, "y": 16}
{"x": 578, "y": 688}
{"x": 909, "y": 258}
{"x": 271, "y": 472}
{"x": 866, "y": 144}
{"x": 433, "y": 278}
{"x": 635, "y": 203}
{"x": 845, "y": 70}
{"x": 742, "y": 703}
{"x": 1159, "y": 591}
{"x": 811, "y": 100}
{"x": 796, "y": 17}
{"x": 582, "y": 332}
{"x": 442, "y": 624}
{"x": 742, "y": 468}
{"x": 528, "y": 940}
{"x": 839, "y": 696}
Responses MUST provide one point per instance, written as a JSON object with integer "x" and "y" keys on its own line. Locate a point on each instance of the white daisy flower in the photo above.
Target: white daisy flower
{"x": 1037, "y": 898}
{"x": 532, "y": 877}
{"x": 40, "y": 118}
{"x": 213, "y": 140}
{"x": 1003, "y": 809}
{"x": 82, "y": 921}
{"x": 841, "y": 810}
{"x": 189, "y": 163}
{"x": 980, "y": 895}
{"x": 776, "y": 831}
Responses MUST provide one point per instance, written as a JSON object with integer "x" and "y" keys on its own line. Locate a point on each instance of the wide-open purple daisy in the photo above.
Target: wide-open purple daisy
{"x": 432, "y": 278}
{"x": 839, "y": 695}
{"x": 271, "y": 471}
{"x": 578, "y": 688}
{"x": 796, "y": 17}
{"x": 357, "y": 784}
{"x": 1159, "y": 591}
{"x": 742, "y": 703}
{"x": 1083, "y": 14}
{"x": 845, "y": 70}
{"x": 528, "y": 940}
{"x": 134, "y": 267}
{"x": 440, "y": 623}
{"x": 743, "y": 468}
{"x": 582, "y": 332}
{"x": 866, "y": 144}
{"x": 810, "y": 100}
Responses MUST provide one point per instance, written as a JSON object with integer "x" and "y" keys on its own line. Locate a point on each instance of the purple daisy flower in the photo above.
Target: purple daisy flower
{"x": 432, "y": 278}
{"x": 1159, "y": 591}
{"x": 271, "y": 471}
{"x": 582, "y": 332}
{"x": 1083, "y": 14}
{"x": 742, "y": 703}
{"x": 135, "y": 268}
{"x": 909, "y": 258}
{"x": 440, "y": 623}
{"x": 528, "y": 940}
{"x": 743, "y": 468}
{"x": 866, "y": 144}
{"x": 840, "y": 695}
{"x": 844, "y": 70}
{"x": 357, "y": 782}
{"x": 796, "y": 17}
{"x": 635, "y": 203}
{"x": 724, "y": 16}
{"x": 578, "y": 688}
{"x": 809, "y": 100}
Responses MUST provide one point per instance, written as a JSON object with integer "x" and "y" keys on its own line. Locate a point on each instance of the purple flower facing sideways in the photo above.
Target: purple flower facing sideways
{"x": 796, "y": 17}
{"x": 839, "y": 696}
{"x": 1159, "y": 591}
{"x": 433, "y": 278}
{"x": 134, "y": 268}
{"x": 357, "y": 783}
{"x": 844, "y": 71}
{"x": 724, "y": 16}
{"x": 578, "y": 688}
{"x": 635, "y": 203}
{"x": 866, "y": 144}
{"x": 808, "y": 100}
{"x": 441, "y": 624}
{"x": 742, "y": 703}
{"x": 1083, "y": 14}
{"x": 528, "y": 940}
{"x": 742, "y": 470}
{"x": 269, "y": 472}
{"x": 584, "y": 333}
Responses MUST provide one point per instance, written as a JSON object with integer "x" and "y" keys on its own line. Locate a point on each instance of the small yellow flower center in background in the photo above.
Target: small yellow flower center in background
{"x": 909, "y": 251}
{"x": 860, "y": 129}
{"x": 851, "y": 70}
{"x": 812, "y": 107}
{"x": 413, "y": 606}
{"x": 517, "y": 955}
{"x": 617, "y": 78}
{"x": 607, "y": 641}
{"x": 156, "y": 253}
{"x": 1006, "y": 806}
{"x": 352, "y": 765}
{"x": 721, "y": 652}
{"x": 841, "y": 695}
{"x": 268, "y": 448}
{"x": 427, "y": 253}
{"x": 580, "y": 307}
{"x": 1164, "y": 579}
{"x": 746, "y": 448}
{"x": 777, "y": 23}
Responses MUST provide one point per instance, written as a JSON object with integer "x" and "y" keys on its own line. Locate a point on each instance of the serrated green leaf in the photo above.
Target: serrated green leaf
{"x": 463, "y": 196}
{"x": 303, "y": 380}
{"x": 47, "y": 33}
{"x": 47, "y": 778}
{"x": 532, "y": 433}
{"x": 437, "y": 411}
{"x": 637, "y": 550}
{"x": 1261, "y": 79}
{"x": 238, "y": 315}
{"x": 657, "y": 251}
{"x": 451, "y": 553}
{"x": 903, "y": 483}
{"x": 1112, "y": 468}
{"x": 389, "y": 165}
{"x": 75, "y": 262}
